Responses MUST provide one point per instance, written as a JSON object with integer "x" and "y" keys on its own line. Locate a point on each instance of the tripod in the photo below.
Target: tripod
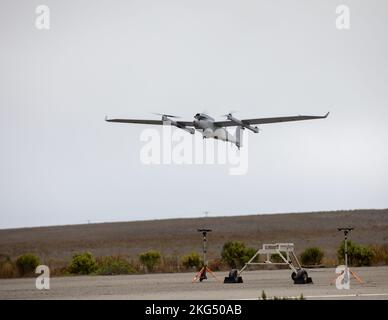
{"x": 347, "y": 271}
{"x": 201, "y": 274}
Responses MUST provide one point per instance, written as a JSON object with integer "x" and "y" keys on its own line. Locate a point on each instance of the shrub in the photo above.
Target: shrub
{"x": 216, "y": 265}
{"x": 235, "y": 253}
{"x": 275, "y": 258}
{"x": 7, "y": 268}
{"x": 168, "y": 264}
{"x": 364, "y": 256}
{"x": 330, "y": 262}
{"x": 380, "y": 255}
{"x": 357, "y": 255}
{"x": 27, "y": 263}
{"x": 113, "y": 265}
{"x": 249, "y": 253}
{"x": 191, "y": 260}
{"x": 83, "y": 263}
{"x": 311, "y": 256}
{"x": 149, "y": 259}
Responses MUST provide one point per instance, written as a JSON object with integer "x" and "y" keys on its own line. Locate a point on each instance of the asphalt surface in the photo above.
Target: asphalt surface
{"x": 275, "y": 283}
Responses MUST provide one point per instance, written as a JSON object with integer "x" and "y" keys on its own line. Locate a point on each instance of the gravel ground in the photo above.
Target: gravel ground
{"x": 179, "y": 286}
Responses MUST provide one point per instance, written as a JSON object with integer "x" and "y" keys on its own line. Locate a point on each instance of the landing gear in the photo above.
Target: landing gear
{"x": 301, "y": 277}
{"x": 233, "y": 277}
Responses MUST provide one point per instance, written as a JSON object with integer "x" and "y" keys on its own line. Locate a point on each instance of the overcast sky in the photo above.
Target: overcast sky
{"x": 61, "y": 163}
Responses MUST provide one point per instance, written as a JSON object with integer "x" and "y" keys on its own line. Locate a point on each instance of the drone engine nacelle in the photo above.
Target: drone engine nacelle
{"x": 242, "y": 124}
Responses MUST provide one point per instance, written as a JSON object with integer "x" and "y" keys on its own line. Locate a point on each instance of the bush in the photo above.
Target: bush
{"x": 7, "y": 268}
{"x": 113, "y": 265}
{"x": 191, "y": 260}
{"x": 149, "y": 259}
{"x": 27, "y": 263}
{"x": 249, "y": 253}
{"x": 380, "y": 255}
{"x": 169, "y": 264}
{"x": 83, "y": 263}
{"x": 357, "y": 255}
{"x": 235, "y": 254}
{"x": 216, "y": 265}
{"x": 275, "y": 258}
{"x": 311, "y": 256}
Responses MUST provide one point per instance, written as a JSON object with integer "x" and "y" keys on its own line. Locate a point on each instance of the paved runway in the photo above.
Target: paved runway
{"x": 178, "y": 286}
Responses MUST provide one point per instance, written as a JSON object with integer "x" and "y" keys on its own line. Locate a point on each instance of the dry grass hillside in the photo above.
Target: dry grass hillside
{"x": 179, "y": 236}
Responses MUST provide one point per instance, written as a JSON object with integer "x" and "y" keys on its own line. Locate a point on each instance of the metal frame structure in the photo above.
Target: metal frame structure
{"x": 201, "y": 275}
{"x": 347, "y": 270}
{"x": 285, "y": 251}
{"x": 346, "y": 231}
{"x": 276, "y": 248}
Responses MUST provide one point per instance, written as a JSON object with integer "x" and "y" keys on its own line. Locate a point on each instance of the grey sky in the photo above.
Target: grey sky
{"x": 62, "y": 164}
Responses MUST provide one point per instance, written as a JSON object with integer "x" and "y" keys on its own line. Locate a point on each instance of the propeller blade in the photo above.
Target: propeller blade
{"x": 231, "y": 112}
{"x": 165, "y": 115}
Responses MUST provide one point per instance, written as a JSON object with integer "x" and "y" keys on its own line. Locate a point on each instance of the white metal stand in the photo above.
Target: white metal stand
{"x": 284, "y": 250}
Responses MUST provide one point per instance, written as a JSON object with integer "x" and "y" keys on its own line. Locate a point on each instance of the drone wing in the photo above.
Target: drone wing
{"x": 186, "y": 123}
{"x": 153, "y": 122}
{"x": 138, "y": 121}
{"x": 269, "y": 120}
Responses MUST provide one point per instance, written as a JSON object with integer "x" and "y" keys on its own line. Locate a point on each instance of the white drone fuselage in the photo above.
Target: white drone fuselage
{"x": 205, "y": 124}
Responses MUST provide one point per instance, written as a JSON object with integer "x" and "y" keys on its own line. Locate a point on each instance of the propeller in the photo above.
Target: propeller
{"x": 231, "y": 112}
{"x": 165, "y": 115}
